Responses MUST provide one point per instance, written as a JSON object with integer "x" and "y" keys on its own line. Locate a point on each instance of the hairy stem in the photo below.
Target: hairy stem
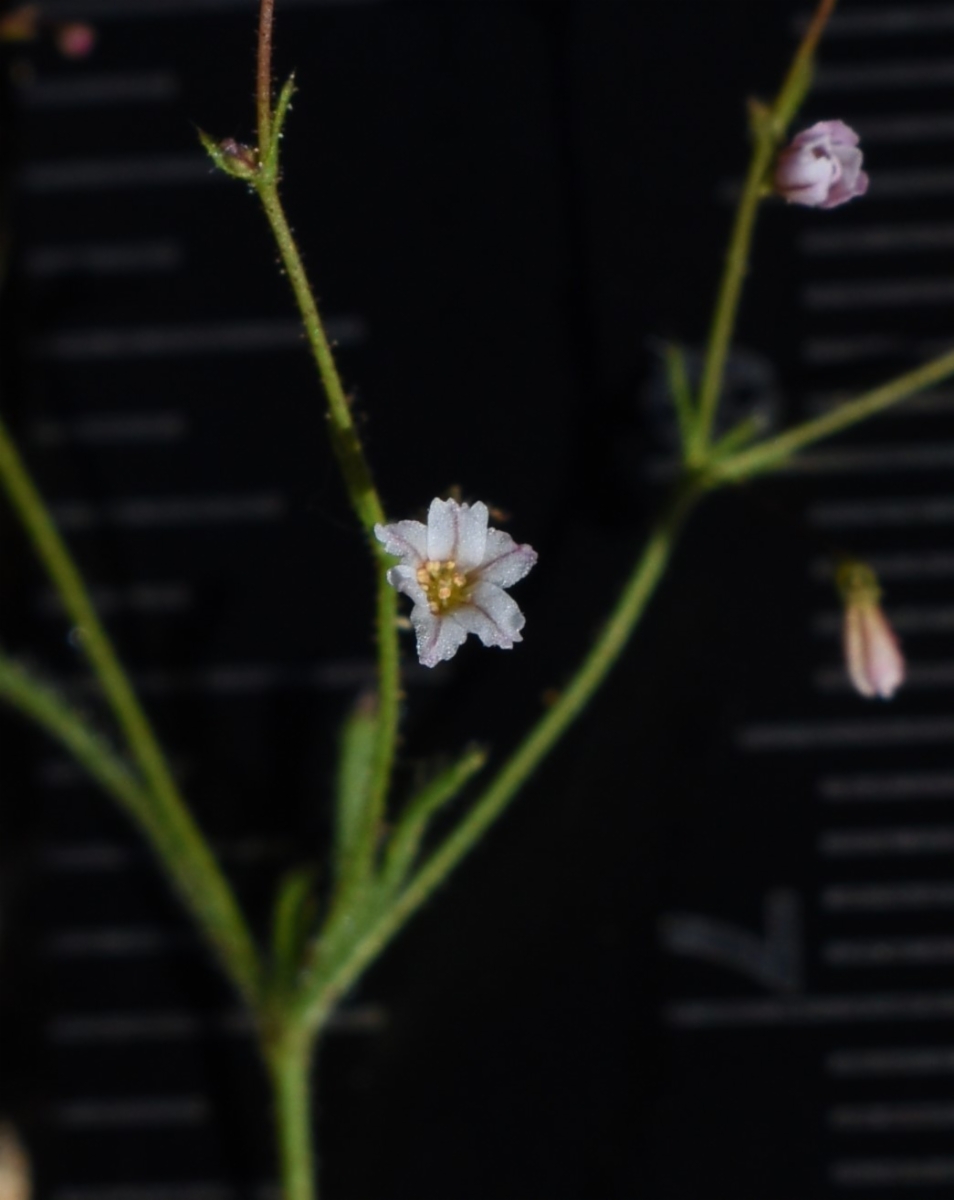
{"x": 726, "y": 309}
{"x": 289, "y": 1060}
{"x": 365, "y": 501}
{"x": 767, "y": 127}
{"x": 263, "y": 76}
{"x": 322, "y": 993}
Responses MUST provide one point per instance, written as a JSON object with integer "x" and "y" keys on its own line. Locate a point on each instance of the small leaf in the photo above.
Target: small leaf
{"x": 406, "y": 840}
{"x": 293, "y": 921}
{"x": 278, "y": 122}
{"x": 740, "y": 435}
{"x": 355, "y": 763}
{"x": 680, "y": 392}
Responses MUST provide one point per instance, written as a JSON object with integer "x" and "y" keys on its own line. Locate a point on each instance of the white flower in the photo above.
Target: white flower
{"x": 455, "y": 570}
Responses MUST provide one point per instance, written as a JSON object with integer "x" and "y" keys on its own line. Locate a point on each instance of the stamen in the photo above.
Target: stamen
{"x": 444, "y": 586}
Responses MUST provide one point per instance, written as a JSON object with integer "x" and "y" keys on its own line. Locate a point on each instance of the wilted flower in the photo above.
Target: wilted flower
{"x": 455, "y": 570}
{"x": 821, "y": 167}
{"x": 872, "y": 655}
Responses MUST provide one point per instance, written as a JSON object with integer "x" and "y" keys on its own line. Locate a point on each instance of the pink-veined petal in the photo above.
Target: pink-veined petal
{"x": 853, "y": 181}
{"x": 404, "y": 579}
{"x": 442, "y": 530}
{"x": 504, "y": 561}
{"x": 438, "y": 638}
{"x": 404, "y": 539}
{"x": 855, "y": 655}
{"x": 471, "y": 535}
{"x": 838, "y": 133}
{"x": 493, "y": 615}
{"x": 872, "y": 654}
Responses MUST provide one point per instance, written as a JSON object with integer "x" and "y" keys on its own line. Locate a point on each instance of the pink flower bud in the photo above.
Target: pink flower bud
{"x": 75, "y": 39}
{"x": 821, "y": 167}
{"x": 872, "y": 654}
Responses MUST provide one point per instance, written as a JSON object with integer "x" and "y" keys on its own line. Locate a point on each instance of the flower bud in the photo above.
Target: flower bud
{"x": 75, "y": 39}
{"x": 872, "y": 654}
{"x": 821, "y": 167}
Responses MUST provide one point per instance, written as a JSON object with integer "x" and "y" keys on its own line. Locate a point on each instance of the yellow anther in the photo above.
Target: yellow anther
{"x": 444, "y": 586}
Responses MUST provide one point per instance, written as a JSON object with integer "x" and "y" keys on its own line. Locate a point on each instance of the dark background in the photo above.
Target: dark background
{"x": 505, "y": 207}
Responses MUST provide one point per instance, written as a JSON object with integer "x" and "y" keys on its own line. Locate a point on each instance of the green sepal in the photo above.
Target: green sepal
{"x": 857, "y": 583}
{"x": 231, "y": 156}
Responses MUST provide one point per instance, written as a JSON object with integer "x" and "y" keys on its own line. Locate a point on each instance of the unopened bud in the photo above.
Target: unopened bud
{"x": 75, "y": 39}
{"x": 238, "y": 152}
{"x": 872, "y": 654}
{"x": 821, "y": 167}
{"x": 232, "y": 157}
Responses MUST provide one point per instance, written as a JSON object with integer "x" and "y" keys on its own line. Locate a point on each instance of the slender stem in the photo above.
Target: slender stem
{"x": 726, "y": 309}
{"x": 289, "y": 1063}
{"x": 765, "y": 456}
{"x": 365, "y": 501}
{"x": 177, "y": 838}
{"x": 797, "y": 81}
{"x": 768, "y": 127}
{"x": 42, "y": 705}
{"x": 263, "y": 77}
{"x": 344, "y": 434}
{"x": 318, "y": 999}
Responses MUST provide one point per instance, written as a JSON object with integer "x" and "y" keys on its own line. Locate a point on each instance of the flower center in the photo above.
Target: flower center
{"x": 444, "y": 586}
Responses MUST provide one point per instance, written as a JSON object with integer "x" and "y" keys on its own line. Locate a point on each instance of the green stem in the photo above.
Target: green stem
{"x": 344, "y": 434}
{"x": 768, "y": 128}
{"x": 765, "y": 456}
{"x": 263, "y": 77}
{"x": 319, "y": 996}
{"x": 175, "y": 835}
{"x": 289, "y": 1061}
{"x": 366, "y": 504}
{"x": 798, "y": 80}
{"x": 726, "y": 309}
